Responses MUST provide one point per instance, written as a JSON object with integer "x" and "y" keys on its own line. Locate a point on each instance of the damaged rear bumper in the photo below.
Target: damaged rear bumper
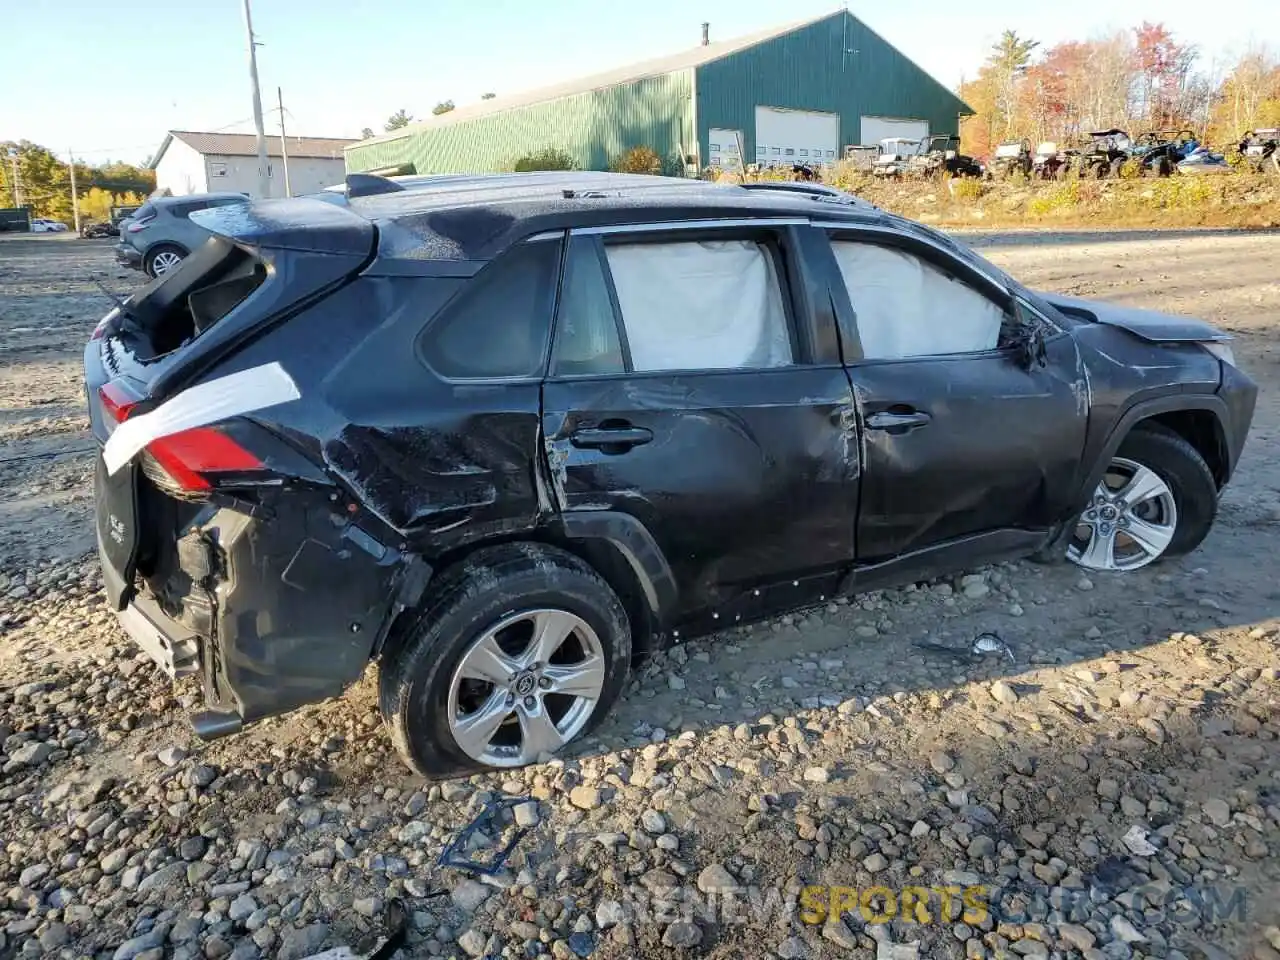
{"x": 272, "y": 614}
{"x": 174, "y": 647}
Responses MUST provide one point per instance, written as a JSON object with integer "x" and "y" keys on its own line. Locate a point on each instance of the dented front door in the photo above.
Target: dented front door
{"x": 966, "y": 445}
{"x": 746, "y": 480}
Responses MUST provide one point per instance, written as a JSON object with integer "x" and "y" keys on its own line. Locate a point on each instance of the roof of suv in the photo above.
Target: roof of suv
{"x": 473, "y": 217}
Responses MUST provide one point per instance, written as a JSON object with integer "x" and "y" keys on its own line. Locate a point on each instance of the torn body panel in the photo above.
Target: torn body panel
{"x": 1126, "y": 372}
{"x": 438, "y": 464}
{"x": 741, "y": 479}
{"x": 283, "y": 635}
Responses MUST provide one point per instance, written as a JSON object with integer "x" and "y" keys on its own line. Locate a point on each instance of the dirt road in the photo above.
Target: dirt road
{"x": 1120, "y": 762}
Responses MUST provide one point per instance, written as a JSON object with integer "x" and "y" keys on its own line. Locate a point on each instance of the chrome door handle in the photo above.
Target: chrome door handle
{"x": 891, "y": 421}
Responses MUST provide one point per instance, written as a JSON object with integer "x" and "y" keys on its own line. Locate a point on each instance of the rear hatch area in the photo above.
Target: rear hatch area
{"x": 218, "y": 535}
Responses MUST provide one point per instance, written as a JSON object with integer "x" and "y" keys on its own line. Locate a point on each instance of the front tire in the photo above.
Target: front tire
{"x": 1157, "y": 500}
{"x": 521, "y": 649}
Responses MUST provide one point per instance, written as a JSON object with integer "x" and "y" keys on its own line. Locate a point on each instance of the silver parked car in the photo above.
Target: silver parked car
{"x": 159, "y": 234}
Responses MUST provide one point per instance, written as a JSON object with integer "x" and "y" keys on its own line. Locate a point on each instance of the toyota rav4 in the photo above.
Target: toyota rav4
{"x": 500, "y": 435}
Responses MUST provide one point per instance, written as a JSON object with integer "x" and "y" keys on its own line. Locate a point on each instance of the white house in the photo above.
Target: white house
{"x": 191, "y": 162}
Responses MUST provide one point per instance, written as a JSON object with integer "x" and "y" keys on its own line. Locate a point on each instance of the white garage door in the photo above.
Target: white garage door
{"x": 796, "y": 136}
{"x": 726, "y": 148}
{"x": 875, "y": 129}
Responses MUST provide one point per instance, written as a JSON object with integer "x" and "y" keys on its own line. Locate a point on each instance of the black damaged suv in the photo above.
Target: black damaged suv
{"x": 502, "y": 434}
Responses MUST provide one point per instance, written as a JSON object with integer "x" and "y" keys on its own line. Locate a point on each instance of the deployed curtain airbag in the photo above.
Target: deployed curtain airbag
{"x": 906, "y": 307}
{"x": 700, "y": 305}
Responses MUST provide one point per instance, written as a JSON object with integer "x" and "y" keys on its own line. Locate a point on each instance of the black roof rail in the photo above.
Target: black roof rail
{"x": 369, "y": 185}
{"x": 816, "y": 191}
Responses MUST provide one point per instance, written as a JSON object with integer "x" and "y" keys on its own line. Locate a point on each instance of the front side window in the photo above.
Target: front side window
{"x": 907, "y": 307}
{"x": 701, "y": 305}
{"x": 499, "y": 325}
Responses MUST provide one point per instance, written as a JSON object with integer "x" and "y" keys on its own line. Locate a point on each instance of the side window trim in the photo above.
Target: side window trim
{"x": 932, "y": 255}
{"x": 624, "y": 342}
{"x": 817, "y": 318}
{"x": 589, "y": 245}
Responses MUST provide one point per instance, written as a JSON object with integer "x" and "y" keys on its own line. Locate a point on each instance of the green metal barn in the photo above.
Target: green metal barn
{"x": 801, "y": 93}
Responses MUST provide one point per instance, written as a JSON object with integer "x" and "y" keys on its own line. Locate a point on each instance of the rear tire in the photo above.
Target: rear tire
{"x": 162, "y": 258}
{"x": 479, "y": 607}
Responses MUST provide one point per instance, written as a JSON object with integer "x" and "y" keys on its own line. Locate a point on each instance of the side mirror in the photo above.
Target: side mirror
{"x": 1029, "y": 338}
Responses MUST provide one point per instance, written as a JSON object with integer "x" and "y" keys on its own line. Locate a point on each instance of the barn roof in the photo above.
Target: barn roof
{"x": 246, "y": 145}
{"x": 657, "y": 67}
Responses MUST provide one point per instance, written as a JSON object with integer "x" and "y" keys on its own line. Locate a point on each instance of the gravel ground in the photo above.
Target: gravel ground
{"x": 1107, "y": 787}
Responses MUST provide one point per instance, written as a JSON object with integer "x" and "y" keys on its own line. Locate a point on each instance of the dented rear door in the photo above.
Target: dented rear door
{"x": 745, "y": 479}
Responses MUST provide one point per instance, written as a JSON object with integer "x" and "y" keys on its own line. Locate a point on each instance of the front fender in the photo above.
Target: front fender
{"x": 1144, "y": 410}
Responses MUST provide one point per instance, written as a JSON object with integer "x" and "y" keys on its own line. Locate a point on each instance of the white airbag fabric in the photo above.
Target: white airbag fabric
{"x": 700, "y": 306}
{"x": 229, "y": 396}
{"x": 907, "y": 308}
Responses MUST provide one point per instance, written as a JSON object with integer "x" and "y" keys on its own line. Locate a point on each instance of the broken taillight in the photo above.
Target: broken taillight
{"x": 188, "y": 456}
{"x": 101, "y": 329}
{"x": 117, "y": 402}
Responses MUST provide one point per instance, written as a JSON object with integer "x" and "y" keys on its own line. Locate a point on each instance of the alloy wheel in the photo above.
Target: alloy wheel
{"x": 1129, "y": 522}
{"x": 526, "y": 687}
{"x": 164, "y": 261}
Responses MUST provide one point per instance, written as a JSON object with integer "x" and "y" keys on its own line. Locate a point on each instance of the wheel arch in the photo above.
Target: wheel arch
{"x": 617, "y": 546}
{"x": 623, "y": 551}
{"x": 160, "y": 244}
{"x": 1198, "y": 419}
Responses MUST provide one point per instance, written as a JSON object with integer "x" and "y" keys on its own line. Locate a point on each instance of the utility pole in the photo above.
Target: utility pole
{"x": 75, "y": 197}
{"x": 17, "y": 189}
{"x": 264, "y": 184}
{"x": 284, "y": 149}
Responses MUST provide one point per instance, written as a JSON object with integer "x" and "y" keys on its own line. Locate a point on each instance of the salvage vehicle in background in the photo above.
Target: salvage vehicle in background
{"x": 1260, "y": 150}
{"x": 1011, "y": 157}
{"x": 941, "y": 155}
{"x": 1159, "y": 152}
{"x": 159, "y": 235}
{"x": 95, "y": 229}
{"x": 1202, "y": 161}
{"x": 1105, "y": 153}
{"x": 501, "y": 435}
{"x": 1051, "y": 162}
{"x": 45, "y": 225}
{"x": 895, "y": 156}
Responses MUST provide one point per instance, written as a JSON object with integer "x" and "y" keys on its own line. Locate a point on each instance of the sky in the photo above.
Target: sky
{"x": 108, "y": 79}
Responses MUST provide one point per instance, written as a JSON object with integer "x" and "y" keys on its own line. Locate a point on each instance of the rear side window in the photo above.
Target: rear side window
{"x": 701, "y": 305}
{"x": 144, "y": 212}
{"x": 499, "y": 325}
